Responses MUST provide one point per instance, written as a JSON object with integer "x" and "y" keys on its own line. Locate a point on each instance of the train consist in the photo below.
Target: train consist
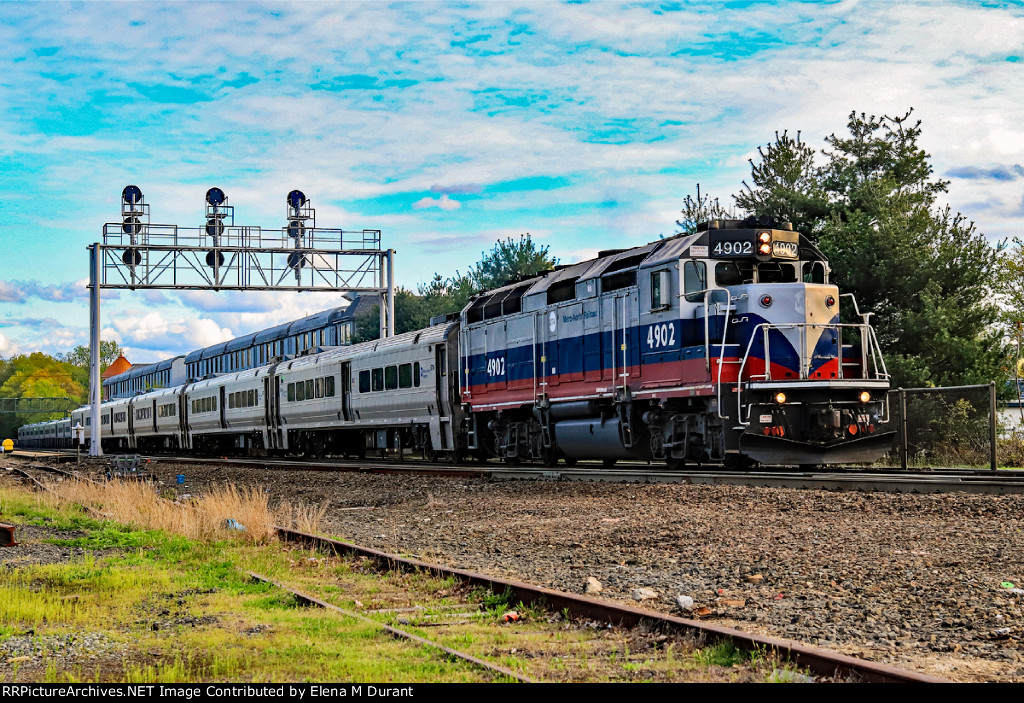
{"x": 722, "y": 346}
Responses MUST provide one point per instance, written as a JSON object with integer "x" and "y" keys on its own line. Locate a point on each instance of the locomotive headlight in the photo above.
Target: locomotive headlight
{"x": 864, "y": 396}
{"x": 765, "y": 243}
{"x": 765, "y": 249}
{"x": 765, "y": 237}
{"x": 780, "y": 398}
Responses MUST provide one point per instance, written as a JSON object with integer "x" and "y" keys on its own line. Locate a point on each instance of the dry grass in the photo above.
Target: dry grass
{"x": 302, "y": 517}
{"x": 201, "y": 518}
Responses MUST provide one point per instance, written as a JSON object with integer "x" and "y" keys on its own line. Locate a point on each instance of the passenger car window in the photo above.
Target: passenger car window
{"x": 391, "y": 378}
{"x": 378, "y": 379}
{"x": 364, "y": 381}
{"x": 405, "y": 376}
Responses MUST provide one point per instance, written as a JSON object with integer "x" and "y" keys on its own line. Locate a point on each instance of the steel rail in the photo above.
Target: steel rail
{"x": 839, "y": 478}
{"x": 820, "y": 661}
{"x": 394, "y": 631}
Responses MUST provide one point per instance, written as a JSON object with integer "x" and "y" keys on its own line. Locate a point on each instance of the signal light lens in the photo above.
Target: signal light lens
{"x": 865, "y": 396}
{"x": 766, "y": 301}
{"x": 780, "y": 398}
{"x": 852, "y": 429}
{"x": 830, "y": 301}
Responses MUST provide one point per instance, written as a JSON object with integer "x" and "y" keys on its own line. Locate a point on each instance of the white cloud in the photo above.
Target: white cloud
{"x": 444, "y": 203}
{"x": 8, "y": 348}
{"x": 154, "y": 331}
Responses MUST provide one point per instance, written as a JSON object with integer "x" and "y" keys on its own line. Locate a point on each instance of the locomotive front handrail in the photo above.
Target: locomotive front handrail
{"x": 868, "y": 343}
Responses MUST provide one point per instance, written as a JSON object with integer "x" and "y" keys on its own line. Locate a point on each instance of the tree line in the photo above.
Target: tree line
{"x": 39, "y": 375}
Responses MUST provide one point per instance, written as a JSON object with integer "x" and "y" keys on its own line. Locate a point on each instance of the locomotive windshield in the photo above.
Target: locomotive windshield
{"x": 735, "y": 273}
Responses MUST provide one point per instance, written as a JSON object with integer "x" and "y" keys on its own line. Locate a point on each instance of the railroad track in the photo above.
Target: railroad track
{"x": 821, "y": 662}
{"x": 837, "y": 478}
{"x": 824, "y": 663}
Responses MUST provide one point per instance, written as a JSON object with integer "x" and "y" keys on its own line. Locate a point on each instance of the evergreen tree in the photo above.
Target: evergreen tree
{"x": 872, "y": 206}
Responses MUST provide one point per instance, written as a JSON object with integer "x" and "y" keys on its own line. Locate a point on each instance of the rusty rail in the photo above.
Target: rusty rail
{"x": 820, "y": 661}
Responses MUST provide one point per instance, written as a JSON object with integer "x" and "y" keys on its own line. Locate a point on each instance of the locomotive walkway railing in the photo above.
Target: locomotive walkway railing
{"x": 875, "y": 371}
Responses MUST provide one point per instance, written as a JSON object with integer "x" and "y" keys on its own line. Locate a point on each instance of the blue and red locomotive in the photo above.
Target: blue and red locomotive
{"x": 719, "y": 346}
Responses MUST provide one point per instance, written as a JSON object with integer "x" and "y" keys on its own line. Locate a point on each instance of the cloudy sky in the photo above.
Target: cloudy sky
{"x": 450, "y": 125}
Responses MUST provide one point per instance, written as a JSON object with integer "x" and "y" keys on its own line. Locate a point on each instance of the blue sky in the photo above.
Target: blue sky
{"x": 450, "y": 125}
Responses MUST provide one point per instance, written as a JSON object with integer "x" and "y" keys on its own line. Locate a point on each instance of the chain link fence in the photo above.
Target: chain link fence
{"x": 953, "y": 426}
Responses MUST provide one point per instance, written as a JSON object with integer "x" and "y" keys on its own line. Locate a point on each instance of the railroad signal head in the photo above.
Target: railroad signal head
{"x": 295, "y": 229}
{"x": 296, "y": 199}
{"x": 215, "y": 197}
{"x": 215, "y": 227}
{"x": 296, "y": 260}
{"x": 131, "y": 195}
{"x": 131, "y": 225}
{"x": 131, "y": 257}
{"x": 210, "y": 259}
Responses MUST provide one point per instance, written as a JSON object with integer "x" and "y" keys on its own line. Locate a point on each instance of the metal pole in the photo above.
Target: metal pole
{"x": 383, "y": 307}
{"x": 992, "y": 421}
{"x": 903, "y": 428}
{"x": 391, "y": 292}
{"x": 96, "y": 383}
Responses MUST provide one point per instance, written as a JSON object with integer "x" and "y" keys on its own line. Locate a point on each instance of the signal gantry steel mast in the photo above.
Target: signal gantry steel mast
{"x": 136, "y": 254}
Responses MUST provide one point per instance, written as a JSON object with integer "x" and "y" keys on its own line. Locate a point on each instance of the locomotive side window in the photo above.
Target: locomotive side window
{"x": 378, "y": 379}
{"x": 695, "y": 280}
{"x": 391, "y": 378}
{"x": 364, "y": 381}
{"x": 661, "y": 290}
{"x": 405, "y": 376}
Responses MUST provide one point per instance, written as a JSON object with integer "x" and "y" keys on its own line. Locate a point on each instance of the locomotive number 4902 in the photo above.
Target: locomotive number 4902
{"x": 663, "y": 335}
{"x": 496, "y": 366}
{"x": 727, "y": 248}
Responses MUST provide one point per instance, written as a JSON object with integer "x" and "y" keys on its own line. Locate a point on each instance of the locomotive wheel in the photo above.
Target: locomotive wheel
{"x": 609, "y": 463}
{"x": 675, "y": 464}
{"x": 570, "y": 460}
{"x": 429, "y": 453}
{"x": 549, "y": 457}
{"x": 736, "y": 462}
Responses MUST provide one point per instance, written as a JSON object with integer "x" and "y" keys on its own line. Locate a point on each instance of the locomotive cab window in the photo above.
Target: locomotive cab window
{"x": 775, "y": 272}
{"x": 661, "y": 290}
{"x": 695, "y": 280}
{"x": 734, "y": 273}
{"x": 814, "y": 272}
